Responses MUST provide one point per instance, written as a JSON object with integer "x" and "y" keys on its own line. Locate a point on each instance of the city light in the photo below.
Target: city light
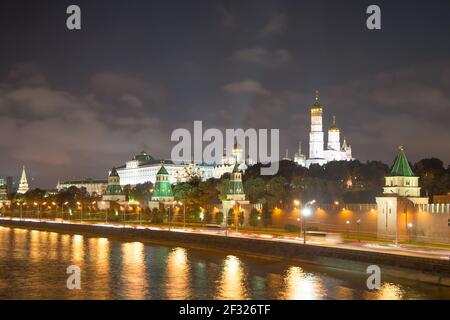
{"x": 306, "y": 212}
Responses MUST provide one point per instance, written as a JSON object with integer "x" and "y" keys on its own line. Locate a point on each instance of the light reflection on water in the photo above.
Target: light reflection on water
{"x": 33, "y": 266}
{"x": 231, "y": 284}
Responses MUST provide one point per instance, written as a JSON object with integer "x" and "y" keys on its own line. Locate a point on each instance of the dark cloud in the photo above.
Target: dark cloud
{"x": 64, "y": 132}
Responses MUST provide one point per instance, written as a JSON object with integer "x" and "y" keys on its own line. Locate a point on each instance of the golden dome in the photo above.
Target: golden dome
{"x": 316, "y": 107}
{"x": 334, "y": 127}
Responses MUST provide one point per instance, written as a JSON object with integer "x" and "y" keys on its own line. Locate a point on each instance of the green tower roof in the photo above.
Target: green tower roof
{"x": 113, "y": 172}
{"x": 162, "y": 170}
{"x": 401, "y": 166}
{"x": 163, "y": 188}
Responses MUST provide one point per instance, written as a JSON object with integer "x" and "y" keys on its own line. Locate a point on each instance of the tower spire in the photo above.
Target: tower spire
{"x": 401, "y": 166}
{"x": 23, "y": 184}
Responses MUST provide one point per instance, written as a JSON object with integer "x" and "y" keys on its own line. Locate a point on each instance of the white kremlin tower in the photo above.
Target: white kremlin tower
{"x": 334, "y": 151}
{"x": 23, "y": 184}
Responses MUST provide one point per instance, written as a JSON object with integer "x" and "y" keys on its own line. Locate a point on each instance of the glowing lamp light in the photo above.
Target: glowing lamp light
{"x": 306, "y": 212}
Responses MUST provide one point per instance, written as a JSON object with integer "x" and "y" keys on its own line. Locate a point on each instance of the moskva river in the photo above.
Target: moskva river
{"x": 33, "y": 265}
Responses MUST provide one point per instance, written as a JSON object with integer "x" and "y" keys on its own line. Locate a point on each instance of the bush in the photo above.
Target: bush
{"x": 219, "y": 217}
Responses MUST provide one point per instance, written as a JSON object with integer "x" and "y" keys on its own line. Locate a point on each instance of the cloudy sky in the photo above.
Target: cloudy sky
{"x": 75, "y": 103}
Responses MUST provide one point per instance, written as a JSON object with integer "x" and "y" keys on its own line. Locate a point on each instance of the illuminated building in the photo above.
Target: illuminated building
{"x": 23, "y": 184}
{"x": 143, "y": 168}
{"x": 334, "y": 151}
{"x": 114, "y": 191}
{"x": 401, "y": 194}
{"x": 299, "y": 157}
{"x": 91, "y": 186}
{"x": 236, "y": 195}
{"x": 163, "y": 189}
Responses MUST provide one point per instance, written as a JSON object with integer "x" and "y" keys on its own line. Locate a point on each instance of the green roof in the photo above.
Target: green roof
{"x": 162, "y": 170}
{"x": 401, "y": 166}
{"x": 113, "y": 172}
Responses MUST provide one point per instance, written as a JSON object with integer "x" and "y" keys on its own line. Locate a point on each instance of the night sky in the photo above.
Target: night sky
{"x": 75, "y": 103}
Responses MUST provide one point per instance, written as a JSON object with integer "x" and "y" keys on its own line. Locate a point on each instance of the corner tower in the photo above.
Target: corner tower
{"x": 402, "y": 181}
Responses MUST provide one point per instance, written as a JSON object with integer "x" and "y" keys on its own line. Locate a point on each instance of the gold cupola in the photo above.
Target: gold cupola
{"x": 334, "y": 127}
{"x": 316, "y": 108}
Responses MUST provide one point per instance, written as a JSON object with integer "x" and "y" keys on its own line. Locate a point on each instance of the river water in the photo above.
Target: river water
{"x": 33, "y": 265}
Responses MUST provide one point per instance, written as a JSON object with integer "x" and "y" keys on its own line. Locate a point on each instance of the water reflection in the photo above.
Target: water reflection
{"x": 232, "y": 280}
{"x": 389, "y": 291}
{"x": 78, "y": 250}
{"x": 178, "y": 282}
{"x": 99, "y": 253}
{"x": 301, "y": 286}
{"x": 34, "y": 264}
{"x": 34, "y": 245}
{"x": 133, "y": 276}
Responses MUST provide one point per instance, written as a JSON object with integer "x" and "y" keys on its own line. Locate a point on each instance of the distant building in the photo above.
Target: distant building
{"x": 23, "y": 184}
{"x": 92, "y": 186}
{"x": 334, "y": 151}
{"x": 299, "y": 157}
{"x": 143, "y": 168}
{"x": 8, "y": 182}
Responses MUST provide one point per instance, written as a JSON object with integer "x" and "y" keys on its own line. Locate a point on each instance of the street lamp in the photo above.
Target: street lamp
{"x": 306, "y": 212}
{"x": 410, "y": 226}
{"x": 297, "y": 204}
{"x": 81, "y": 210}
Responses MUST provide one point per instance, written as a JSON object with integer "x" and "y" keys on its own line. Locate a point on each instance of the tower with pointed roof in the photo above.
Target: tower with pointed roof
{"x": 162, "y": 189}
{"x": 235, "y": 198}
{"x": 401, "y": 195}
{"x": 23, "y": 184}
{"x": 114, "y": 191}
{"x": 235, "y": 186}
{"x": 402, "y": 181}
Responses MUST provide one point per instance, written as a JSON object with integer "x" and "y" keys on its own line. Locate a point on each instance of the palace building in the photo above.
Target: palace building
{"x": 92, "y": 186}
{"x": 144, "y": 168}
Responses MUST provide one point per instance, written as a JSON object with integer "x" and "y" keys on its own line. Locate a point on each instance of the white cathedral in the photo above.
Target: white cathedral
{"x": 335, "y": 151}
